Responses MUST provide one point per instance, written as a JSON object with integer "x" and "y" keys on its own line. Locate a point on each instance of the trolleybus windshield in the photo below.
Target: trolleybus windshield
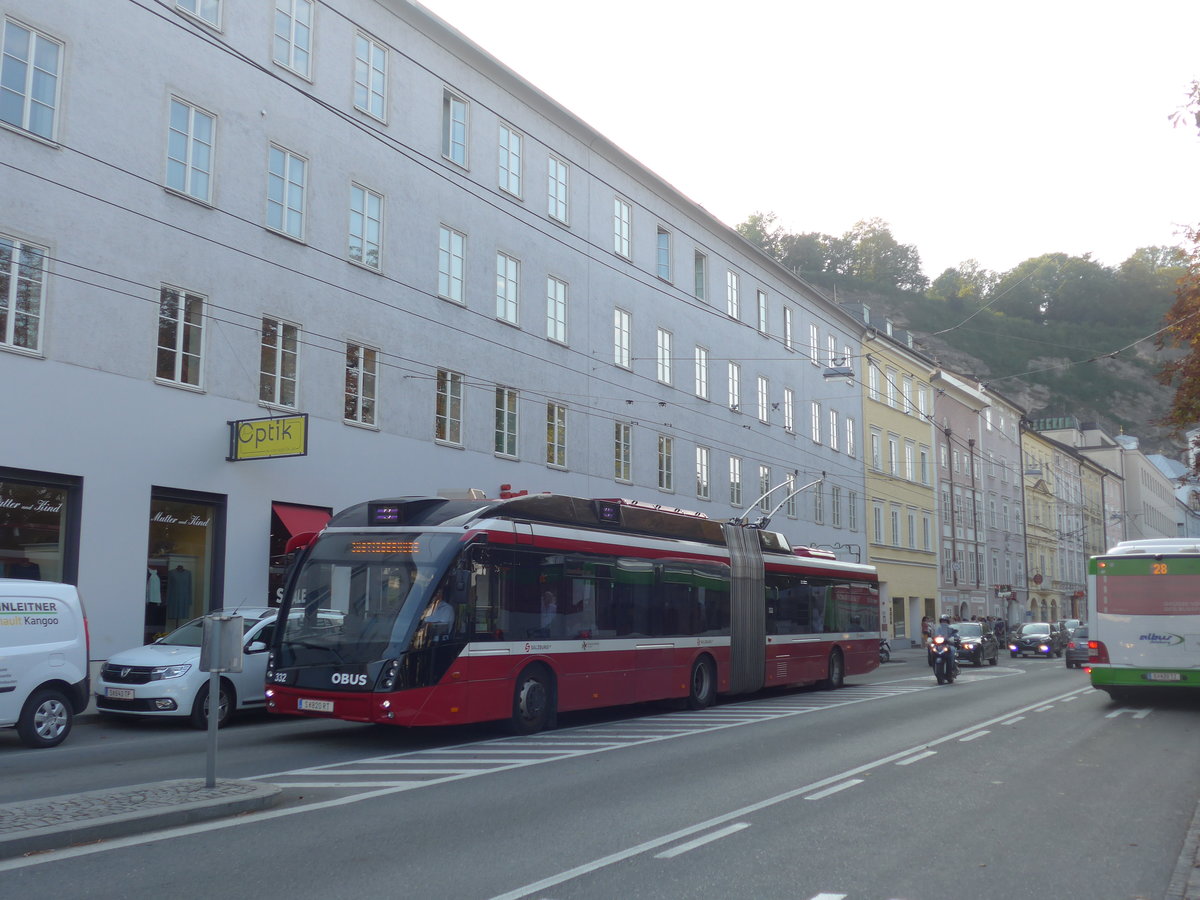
{"x": 379, "y": 582}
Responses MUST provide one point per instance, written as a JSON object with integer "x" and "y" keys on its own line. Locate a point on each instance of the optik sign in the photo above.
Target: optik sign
{"x": 269, "y": 438}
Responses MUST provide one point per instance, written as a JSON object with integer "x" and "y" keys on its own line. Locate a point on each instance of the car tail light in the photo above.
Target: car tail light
{"x": 1097, "y": 652}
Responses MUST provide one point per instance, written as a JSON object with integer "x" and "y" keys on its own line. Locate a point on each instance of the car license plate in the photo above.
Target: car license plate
{"x": 315, "y": 705}
{"x": 118, "y": 693}
{"x": 1163, "y": 676}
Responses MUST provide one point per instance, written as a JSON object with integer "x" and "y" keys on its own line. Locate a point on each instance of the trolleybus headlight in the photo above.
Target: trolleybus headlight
{"x": 390, "y": 670}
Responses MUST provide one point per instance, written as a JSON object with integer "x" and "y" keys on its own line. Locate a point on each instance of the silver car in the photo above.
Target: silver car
{"x": 163, "y": 679}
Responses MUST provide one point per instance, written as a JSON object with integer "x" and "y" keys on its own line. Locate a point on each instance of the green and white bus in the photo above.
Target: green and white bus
{"x": 1144, "y": 617}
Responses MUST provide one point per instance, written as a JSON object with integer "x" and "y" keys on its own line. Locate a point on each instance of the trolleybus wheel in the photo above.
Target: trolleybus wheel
{"x": 533, "y": 701}
{"x": 837, "y": 671}
{"x": 702, "y": 690}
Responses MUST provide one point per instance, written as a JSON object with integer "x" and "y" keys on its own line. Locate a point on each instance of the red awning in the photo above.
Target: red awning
{"x": 301, "y": 519}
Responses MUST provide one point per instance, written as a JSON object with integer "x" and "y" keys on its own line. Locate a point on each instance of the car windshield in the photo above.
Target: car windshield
{"x": 969, "y": 629}
{"x": 1033, "y": 628}
{"x": 192, "y": 634}
{"x": 1080, "y": 633}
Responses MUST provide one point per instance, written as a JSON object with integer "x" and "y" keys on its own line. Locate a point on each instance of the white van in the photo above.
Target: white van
{"x": 43, "y": 659}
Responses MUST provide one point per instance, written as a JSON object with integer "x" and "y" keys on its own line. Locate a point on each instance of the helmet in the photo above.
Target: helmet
{"x": 945, "y": 620}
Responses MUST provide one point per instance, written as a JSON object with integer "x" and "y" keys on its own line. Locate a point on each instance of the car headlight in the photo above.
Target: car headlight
{"x": 160, "y": 672}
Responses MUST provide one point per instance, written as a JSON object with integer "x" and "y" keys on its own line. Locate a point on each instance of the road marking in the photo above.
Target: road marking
{"x": 1044, "y": 708}
{"x": 1136, "y": 713}
{"x": 971, "y": 737}
{"x": 917, "y": 758}
{"x": 830, "y": 897}
{"x": 701, "y": 841}
{"x": 820, "y": 795}
{"x": 1013, "y": 721}
{"x": 255, "y": 818}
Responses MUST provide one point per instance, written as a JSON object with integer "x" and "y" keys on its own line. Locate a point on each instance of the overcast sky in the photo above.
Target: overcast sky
{"x": 989, "y": 131}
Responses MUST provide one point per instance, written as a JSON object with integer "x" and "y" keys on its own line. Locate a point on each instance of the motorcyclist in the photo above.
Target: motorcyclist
{"x": 950, "y": 633}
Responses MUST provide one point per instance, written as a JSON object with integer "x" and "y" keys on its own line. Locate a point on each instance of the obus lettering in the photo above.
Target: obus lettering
{"x": 349, "y": 680}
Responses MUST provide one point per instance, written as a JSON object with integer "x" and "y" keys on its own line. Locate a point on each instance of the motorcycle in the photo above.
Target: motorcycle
{"x": 885, "y": 650}
{"x": 945, "y": 663}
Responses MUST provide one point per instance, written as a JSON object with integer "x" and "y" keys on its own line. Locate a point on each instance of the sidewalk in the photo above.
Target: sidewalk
{"x": 53, "y": 823}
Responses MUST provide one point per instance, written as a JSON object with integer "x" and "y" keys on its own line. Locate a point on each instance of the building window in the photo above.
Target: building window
{"x": 703, "y": 460}
{"x": 889, "y": 378}
{"x": 447, "y": 422}
{"x": 557, "y": 174}
{"x": 852, "y": 510}
{"x": 277, "y": 368}
{"x": 701, "y": 272}
{"x": 912, "y": 529}
{"x": 366, "y": 226}
{"x": 662, "y": 254}
{"x": 623, "y": 451}
{"x": 370, "y": 76}
{"x": 622, "y": 326}
{"x": 735, "y": 481}
{"x": 877, "y": 522}
{"x": 876, "y": 450}
{"x": 835, "y": 506}
{"x": 762, "y": 312}
{"x": 910, "y": 460}
{"x": 508, "y": 284}
{"x": 831, "y": 350}
{"x": 29, "y": 76}
{"x": 851, "y": 438}
{"x": 362, "y": 375}
{"x": 454, "y": 128}
{"x": 735, "y": 387}
{"x": 764, "y": 488}
{"x": 816, "y": 422}
{"x": 190, "y": 139}
{"x": 818, "y": 505}
{"x": 451, "y": 251}
{"x": 22, "y": 294}
{"x": 789, "y": 411}
{"x": 510, "y": 161}
{"x": 872, "y": 381}
{"x": 894, "y": 516}
{"x": 180, "y": 336}
{"x": 906, "y": 393}
{"x": 764, "y": 400}
{"x": 622, "y": 227}
{"x": 733, "y": 301}
{"x": 556, "y": 310}
{"x": 205, "y": 10}
{"x": 923, "y": 464}
{"x": 287, "y": 175}
{"x": 293, "y": 34}
{"x": 506, "y": 421}
{"x": 664, "y": 355}
{"x": 790, "y": 501}
{"x": 556, "y": 435}
{"x": 835, "y": 429}
{"x": 702, "y": 373}
{"x": 926, "y": 532}
{"x": 787, "y": 329}
{"x": 893, "y": 460}
{"x": 814, "y": 344}
{"x": 666, "y": 463}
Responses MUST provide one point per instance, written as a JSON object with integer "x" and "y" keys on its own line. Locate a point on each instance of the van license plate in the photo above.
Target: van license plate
{"x": 118, "y": 693}
{"x": 1163, "y": 676}
{"x": 315, "y": 705}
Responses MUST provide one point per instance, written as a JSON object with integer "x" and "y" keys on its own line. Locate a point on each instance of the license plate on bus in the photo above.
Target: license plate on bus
{"x": 1163, "y": 676}
{"x": 118, "y": 693}
{"x": 315, "y": 705}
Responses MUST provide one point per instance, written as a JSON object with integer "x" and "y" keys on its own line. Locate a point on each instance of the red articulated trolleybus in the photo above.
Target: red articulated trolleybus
{"x": 428, "y": 611}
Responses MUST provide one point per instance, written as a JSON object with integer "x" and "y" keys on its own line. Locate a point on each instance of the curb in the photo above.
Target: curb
{"x": 56, "y": 822}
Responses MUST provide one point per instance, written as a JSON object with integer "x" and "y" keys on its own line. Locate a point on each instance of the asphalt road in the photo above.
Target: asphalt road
{"x": 1017, "y": 781}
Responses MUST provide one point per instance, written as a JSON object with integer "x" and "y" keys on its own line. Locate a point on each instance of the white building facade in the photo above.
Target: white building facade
{"x": 364, "y": 226}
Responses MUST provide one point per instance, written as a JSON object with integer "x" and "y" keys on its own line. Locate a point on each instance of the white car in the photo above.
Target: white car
{"x": 164, "y": 678}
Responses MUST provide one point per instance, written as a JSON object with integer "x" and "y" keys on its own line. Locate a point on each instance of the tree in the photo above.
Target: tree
{"x": 760, "y": 229}
{"x": 1183, "y": 318}
{"x": 877, "y": 257}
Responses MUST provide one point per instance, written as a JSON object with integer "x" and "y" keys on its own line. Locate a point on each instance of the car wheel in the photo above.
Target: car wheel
{"x": 979, "y": 660}
{"x": 1013, "y": 655}
{"x": 45, "y": 719}
{"x": 995, "y": 660}
{"x": 703, "y": 689}
{"x": 225, "y": 702}
{"x": 533, "y": 701}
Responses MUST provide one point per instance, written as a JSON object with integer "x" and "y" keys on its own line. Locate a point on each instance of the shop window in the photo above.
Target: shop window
{"x": 183, "y": 560}
{"x": 39, "y": 516}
